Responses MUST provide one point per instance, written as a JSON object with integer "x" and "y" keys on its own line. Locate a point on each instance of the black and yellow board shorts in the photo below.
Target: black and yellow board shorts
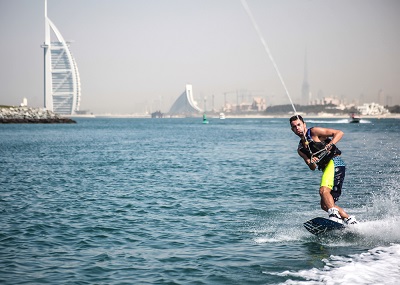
{"x": 333, "y": 176}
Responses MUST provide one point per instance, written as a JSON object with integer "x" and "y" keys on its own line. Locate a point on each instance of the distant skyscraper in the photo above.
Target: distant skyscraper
{"x": 305, "y": 89}
{"x": 381, "y": 97}
{"x": 388, "y": 100}
{"x": 62, "y": 87}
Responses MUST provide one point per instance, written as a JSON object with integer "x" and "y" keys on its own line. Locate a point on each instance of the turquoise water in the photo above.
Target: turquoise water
{"x": 174, "y": 201}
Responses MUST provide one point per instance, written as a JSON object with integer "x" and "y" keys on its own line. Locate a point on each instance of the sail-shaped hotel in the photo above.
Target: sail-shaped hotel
{"x": 62, "y": 87}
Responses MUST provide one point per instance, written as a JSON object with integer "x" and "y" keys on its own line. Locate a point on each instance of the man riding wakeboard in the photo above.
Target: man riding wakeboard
{"x": 317, "y": 147}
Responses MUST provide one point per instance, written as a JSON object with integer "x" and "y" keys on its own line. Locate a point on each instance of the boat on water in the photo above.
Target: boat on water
{"x": 205, "y": 121}
{"x": 354, "y": 118}
{"x": 157, "y": 114}
{"x": 222, "y": 116}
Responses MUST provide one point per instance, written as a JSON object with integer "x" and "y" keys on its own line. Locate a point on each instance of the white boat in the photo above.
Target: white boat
{"x": 222, "y": 116}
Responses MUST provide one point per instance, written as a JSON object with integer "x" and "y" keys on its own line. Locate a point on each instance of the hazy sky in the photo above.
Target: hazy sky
{"x": 138, "y": 54}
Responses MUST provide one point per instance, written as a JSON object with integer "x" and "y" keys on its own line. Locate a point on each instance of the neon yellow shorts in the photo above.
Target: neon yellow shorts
{"x": 333, "y": 176}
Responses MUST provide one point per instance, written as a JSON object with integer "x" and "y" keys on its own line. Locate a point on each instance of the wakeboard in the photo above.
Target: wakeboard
{"x": 320, "y": 225}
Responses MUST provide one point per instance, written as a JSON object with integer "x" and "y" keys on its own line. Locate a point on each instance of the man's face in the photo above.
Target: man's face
{"x": 298, "y": 127}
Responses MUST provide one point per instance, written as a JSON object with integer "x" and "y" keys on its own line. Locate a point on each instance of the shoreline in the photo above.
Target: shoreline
{"x": 27, "y": 115}
{"x": 227, "y": 116}
{"x": 20, "y": 115}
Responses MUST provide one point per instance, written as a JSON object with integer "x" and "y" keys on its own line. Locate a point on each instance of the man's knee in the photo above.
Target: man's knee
{"x": 324, "y": 190}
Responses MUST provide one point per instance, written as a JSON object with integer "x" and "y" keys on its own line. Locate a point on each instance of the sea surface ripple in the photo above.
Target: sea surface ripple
{"x": 173, "y": 201}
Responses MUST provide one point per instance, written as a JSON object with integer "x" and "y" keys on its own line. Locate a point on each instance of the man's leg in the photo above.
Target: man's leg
{"x": 327, "y": 201}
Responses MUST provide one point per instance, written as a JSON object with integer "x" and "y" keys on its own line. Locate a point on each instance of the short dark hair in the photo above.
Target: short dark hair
{"x": 296, "y": 117}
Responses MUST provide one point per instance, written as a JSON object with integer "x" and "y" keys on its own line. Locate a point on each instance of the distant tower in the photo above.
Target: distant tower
{"x": 381, "y": 97}
{"x": 62, "y": 87}
{"x": 305, "y": 89}
{"x": 388, "y": 100}
{"x": 185, "y": 104}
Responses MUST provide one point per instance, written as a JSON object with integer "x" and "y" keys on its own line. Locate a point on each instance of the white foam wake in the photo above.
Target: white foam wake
{"x": 380, "y": 265}
{"x": 341, "y": 121}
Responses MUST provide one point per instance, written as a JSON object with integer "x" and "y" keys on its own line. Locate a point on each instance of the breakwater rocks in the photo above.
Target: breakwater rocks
{"x": 22, "y": 115}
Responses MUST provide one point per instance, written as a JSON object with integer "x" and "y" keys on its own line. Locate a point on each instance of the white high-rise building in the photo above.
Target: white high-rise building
{"x": 185, "y": 104}
{"x": 62, "y": 87}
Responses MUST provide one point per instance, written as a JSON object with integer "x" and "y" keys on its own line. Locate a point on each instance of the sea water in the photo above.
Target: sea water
{"x": 174, "y": 201}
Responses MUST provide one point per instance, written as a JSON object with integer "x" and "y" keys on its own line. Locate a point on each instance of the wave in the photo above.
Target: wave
{"x": 341, "y": 121}
{"x": 377, "y": 266}
{"x": 379, "y": 231}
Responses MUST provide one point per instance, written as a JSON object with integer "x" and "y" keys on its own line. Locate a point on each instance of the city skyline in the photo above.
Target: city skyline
{"x": 135, "y": 56}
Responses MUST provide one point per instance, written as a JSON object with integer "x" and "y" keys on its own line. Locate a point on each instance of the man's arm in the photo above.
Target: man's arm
{"x": 310, "y": 164}
{"x": 323, "y": 133}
